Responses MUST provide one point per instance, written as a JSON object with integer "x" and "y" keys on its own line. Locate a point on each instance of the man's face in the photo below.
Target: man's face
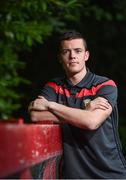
{"x": 73, "y": 56}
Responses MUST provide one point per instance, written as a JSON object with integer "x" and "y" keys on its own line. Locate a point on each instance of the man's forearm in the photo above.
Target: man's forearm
{"x": 38, "y": 116}
{"x": 90, "y": 118}
{"x": 81, "y": 118}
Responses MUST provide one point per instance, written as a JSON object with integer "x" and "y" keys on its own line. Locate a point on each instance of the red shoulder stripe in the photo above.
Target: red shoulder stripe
{"x": 58, "y": 89}
{"x": 94, "y": 89}
{"x": 83, "y": 92}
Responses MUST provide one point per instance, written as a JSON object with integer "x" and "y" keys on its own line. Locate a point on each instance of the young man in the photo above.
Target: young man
{"x": 87, "y": 105}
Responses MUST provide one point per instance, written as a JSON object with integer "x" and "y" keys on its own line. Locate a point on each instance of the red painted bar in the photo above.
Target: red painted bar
{"x": 24, "y": 145}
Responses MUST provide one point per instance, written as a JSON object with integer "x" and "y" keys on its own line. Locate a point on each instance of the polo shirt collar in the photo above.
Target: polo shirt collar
{"x": 84, "y": 82}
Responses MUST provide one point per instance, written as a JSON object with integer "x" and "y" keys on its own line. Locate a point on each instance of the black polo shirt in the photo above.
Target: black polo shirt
{"x": 89, "y": 154}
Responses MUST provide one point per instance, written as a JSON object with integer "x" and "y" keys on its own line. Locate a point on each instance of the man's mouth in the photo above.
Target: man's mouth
{"x": 73, "y": 63}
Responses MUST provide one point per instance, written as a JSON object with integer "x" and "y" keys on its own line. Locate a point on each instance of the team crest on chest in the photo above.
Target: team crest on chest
{"x": 86, "y": 102}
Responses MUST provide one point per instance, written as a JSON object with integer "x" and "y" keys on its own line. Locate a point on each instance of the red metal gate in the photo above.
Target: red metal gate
{"x": 30, "y": 151}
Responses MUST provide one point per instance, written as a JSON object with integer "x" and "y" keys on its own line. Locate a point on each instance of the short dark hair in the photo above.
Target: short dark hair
{"x": 72, "y": 34}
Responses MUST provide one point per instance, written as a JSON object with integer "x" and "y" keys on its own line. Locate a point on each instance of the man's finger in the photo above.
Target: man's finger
{"x": 40, "y": 97}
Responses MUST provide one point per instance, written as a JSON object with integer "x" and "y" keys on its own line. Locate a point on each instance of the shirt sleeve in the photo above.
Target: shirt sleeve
{"x": 110, "y": 93}
{"x": 49, "y": 93}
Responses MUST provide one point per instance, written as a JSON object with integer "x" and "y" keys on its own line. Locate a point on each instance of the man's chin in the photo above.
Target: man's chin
{"x": 72, "y": 73}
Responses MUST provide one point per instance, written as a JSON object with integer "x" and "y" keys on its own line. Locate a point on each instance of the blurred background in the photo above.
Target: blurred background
{"x": 28, "y": 35}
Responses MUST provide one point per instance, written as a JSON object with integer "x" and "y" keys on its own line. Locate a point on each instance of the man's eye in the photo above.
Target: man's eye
{"x": 64, "y": 51}
{"x": 78, "y": 51}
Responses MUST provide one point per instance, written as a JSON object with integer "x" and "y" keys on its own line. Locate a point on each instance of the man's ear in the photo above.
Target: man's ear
{"x": 87, "y": 54}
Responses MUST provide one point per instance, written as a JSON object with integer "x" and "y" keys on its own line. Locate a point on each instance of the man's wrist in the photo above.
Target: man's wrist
{"x": 50, "y": 105}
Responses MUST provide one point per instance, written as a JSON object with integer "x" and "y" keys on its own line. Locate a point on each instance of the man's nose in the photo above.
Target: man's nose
{"x": 72, "y": 54}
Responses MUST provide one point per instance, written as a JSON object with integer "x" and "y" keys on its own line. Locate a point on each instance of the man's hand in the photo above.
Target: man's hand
{"x": 39, "y": 112}
{"x": 39, "y": 104}
{"x": 98, "y": 103}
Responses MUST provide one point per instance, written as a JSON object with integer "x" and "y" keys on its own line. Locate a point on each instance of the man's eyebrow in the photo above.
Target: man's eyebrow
{"x": 78, "y": 48}
{"x": 64, "y": 49}
{"x": 73, "y": 48}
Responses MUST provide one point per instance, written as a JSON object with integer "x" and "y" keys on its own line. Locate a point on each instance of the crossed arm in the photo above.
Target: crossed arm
{"x": 91, "y": 118}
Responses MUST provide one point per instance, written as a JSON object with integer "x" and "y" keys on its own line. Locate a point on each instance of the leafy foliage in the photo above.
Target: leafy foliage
{"x": 22, "y": 24}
